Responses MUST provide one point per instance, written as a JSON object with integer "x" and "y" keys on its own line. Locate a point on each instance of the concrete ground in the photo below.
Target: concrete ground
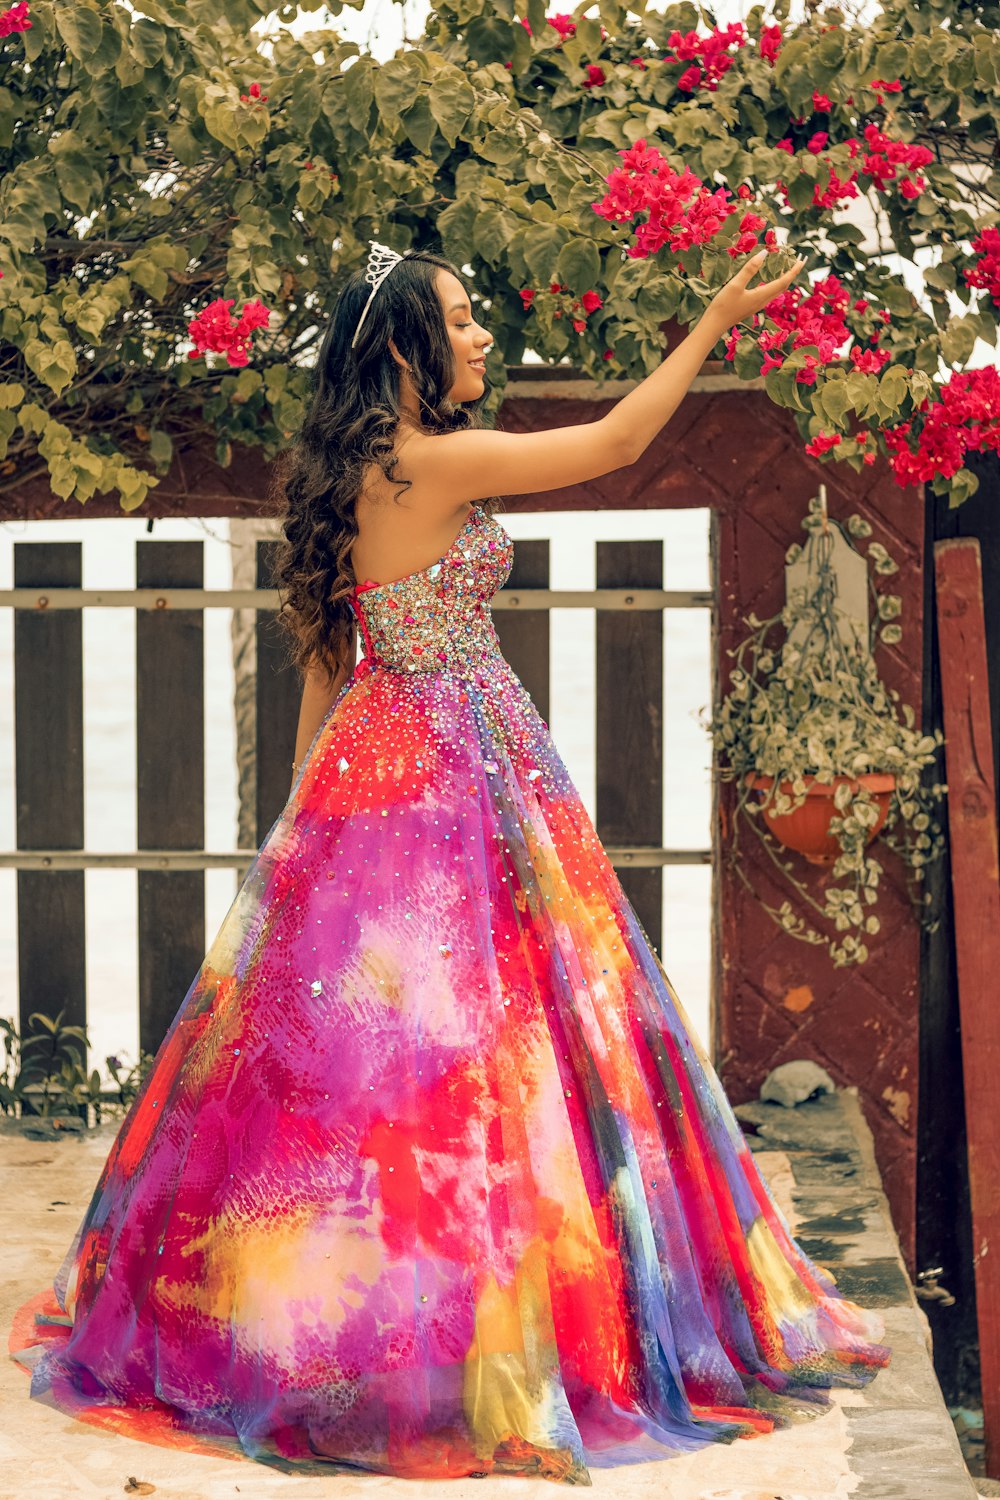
{"x": 893, "y": 1441}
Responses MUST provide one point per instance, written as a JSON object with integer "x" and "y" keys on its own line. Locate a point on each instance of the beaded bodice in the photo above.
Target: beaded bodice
{"x": 439, "y": 619}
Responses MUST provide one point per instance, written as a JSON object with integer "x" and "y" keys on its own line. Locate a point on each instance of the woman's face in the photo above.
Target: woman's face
{"x": 469, "y": 339}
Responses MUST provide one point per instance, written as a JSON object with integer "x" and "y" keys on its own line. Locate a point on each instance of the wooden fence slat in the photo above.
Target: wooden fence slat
{"x": 279, "y": 693}
{"x": 48, "y": 730}
{"x": 975, "y": 875}
{"x": 629, "y": 709}
{"x": 170, "y": 749}
{"x": 524, "y": 634}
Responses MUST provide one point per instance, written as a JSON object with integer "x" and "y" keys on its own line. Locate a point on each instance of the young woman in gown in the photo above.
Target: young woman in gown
{"x": 430, "y": 1175}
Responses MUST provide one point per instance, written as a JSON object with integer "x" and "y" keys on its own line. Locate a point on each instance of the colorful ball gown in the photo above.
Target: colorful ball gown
{"x": 430, "y": 1175}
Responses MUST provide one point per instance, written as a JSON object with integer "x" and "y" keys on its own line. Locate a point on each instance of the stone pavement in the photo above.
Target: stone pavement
{"x": 892, "y": 1441}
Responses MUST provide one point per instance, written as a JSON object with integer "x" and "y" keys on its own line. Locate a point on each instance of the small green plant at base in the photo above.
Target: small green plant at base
{"x": 817, "y": 710}
{"x": 45, "y": 1074}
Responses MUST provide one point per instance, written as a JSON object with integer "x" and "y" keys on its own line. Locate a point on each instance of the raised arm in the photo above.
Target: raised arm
{"x": 474, "y": 465}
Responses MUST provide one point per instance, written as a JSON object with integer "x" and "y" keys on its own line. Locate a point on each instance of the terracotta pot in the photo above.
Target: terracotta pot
{"x": 806, "y": 829}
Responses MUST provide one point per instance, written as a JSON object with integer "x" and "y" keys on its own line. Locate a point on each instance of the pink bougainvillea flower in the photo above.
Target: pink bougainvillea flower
{"x": 770, "y": 44}
{"x": 564, "y": 24}
{"x": 885, "y": 156}
{"x": 214, "y": 331}
{"x": 15, "y": 19}
{"x": 986, "y": 271}
{"x": 681, "y": 211}
{"x": 881, "y": 87}
{"x": 869, "y": 361}
{"x": 965, "y": 415}
{"x": 822, "y": 444}
{"x": 714, "y": 62}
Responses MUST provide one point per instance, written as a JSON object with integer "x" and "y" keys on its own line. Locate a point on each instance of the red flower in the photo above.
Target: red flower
{"x": 527, "y": 26}
{"x": 645, "y": 184}
{"x": 880, "y": 86}
{"x": 869, "y": 361}
{"x": 822, "y": 444}
{"x": 986, "y": 271}
{"x": 527, "y": 295}
{"x": 966, "y": 415}
{"x": 564, "y": 24}
{"x": 213, "y": 330}
{"x": 255, "y": 93}
{"x": 591, "y": 302}
{"x": 836, "y": 190}
{"x": 595, "y": 76}
{"x": 821, "y": 102}
{"x": 608, "y": 354}
{"x": 15, "y": 19}
{"x": 715, "y": 60}
{"x": 770, "y": 44}
{"x": 579, "y": 324}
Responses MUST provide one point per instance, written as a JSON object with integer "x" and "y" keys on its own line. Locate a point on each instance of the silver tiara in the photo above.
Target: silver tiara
{"x": 381, "y": 260}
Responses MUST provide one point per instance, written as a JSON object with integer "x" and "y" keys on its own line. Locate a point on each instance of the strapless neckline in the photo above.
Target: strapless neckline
{"x": 367, "y": 584}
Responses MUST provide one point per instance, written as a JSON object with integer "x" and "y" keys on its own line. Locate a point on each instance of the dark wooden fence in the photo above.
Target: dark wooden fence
{"x": 170, "y": 859}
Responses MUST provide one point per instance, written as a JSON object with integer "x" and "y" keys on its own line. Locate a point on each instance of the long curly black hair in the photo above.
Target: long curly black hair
{"x": 352, "y": 419}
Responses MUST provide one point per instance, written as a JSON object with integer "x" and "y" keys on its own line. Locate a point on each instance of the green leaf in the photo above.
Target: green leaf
{"x": 55, "y": 364}
{"x": 147, "y": 40}
{"x": 958, "y": 341}
{"x": 834, "y": 400}
{"x": 541, "y": 246}
{"x": 893, "y": 389}
{"x": 81, "y": 29}
{"x": 579, "y": 265}
{"x": 452, "y": 99}
{"x": 161, "y": 447}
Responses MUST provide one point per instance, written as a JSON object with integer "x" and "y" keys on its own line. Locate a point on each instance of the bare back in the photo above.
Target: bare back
{"x": 397, "y": 538}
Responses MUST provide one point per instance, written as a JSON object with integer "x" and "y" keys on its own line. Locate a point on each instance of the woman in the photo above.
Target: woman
{"x": 430, "y": 1176}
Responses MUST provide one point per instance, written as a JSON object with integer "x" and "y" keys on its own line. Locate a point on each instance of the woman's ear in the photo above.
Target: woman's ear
{"x": 397, "y": 356}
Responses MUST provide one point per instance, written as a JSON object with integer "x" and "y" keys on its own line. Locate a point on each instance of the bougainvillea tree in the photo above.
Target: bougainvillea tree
{"x": 183, "y": 190}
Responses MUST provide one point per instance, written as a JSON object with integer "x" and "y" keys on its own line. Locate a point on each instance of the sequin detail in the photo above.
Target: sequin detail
{"x": 438, "y": 621}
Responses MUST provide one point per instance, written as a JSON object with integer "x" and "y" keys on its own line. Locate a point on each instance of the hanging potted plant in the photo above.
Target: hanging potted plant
{"x": 825, "y": 756}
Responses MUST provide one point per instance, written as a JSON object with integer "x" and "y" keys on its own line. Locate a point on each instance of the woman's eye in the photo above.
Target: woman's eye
{"x": 463, "y": 325}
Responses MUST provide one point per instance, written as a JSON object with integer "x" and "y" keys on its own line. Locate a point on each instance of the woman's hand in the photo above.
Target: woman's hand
{"x": 735, "y": 302}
